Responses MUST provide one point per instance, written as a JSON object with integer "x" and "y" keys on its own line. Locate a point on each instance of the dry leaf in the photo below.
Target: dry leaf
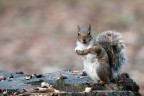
{"x": 30, "y": 90}
{"x": 44, "y": 84}
{"x": 74, "y": 72}
{"x": 88, "y": 89}
{"x": 27, "y": 77}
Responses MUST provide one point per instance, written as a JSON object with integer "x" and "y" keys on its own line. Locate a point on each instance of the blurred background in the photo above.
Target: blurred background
{"x": 39, "y": 36}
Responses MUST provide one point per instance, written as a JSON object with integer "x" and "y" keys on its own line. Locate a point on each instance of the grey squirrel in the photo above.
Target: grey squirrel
{"x": 103, "y": 55}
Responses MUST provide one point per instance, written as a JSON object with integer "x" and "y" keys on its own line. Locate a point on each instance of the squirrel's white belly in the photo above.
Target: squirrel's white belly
{"x": 90, "y": 58}
{"x": 90, "y": 62}
{"x": 91, "y": 66}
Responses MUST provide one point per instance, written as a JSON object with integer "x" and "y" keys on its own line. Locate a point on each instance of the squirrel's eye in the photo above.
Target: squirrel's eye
{"x": 78, "y": 34}
{"x": 89, "y": 33}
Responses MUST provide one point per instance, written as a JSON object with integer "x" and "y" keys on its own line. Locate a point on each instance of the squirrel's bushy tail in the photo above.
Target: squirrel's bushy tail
{"x": 112, "y": 42}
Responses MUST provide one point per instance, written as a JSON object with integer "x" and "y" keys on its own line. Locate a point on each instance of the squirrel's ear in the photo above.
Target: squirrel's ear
{"x": 89, "y": 28}
{"x": 78, "y": 28}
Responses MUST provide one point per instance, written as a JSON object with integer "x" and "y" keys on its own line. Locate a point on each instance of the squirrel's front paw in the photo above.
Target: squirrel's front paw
{"x": 92, "y": 50}
{"x": 95, "y": 49}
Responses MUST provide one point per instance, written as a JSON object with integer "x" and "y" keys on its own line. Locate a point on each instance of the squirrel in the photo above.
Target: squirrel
{"x": 103, "y": 55}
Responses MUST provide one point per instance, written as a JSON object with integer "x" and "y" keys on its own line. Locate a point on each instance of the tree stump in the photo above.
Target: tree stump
{"x": 64, "y": 83}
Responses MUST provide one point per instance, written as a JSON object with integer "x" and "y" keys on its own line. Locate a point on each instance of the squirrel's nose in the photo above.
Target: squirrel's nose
{"x": 84, "y": 40}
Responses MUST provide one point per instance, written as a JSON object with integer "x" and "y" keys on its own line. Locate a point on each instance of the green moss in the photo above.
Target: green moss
{"x": 121, "y": 88}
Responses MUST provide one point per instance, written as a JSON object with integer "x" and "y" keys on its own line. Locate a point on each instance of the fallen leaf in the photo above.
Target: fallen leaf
{"x": 88, "y": 89}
